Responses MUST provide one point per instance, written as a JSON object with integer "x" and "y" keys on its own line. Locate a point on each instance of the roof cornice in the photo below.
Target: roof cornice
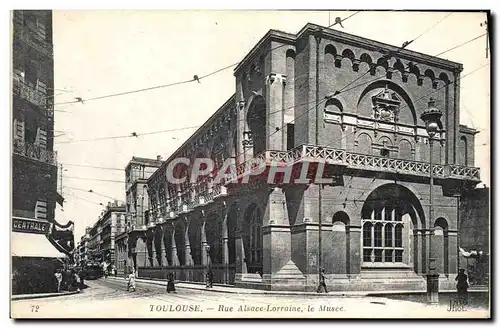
{"x": 377, "y": 46}
{"x": 272, "y": 35}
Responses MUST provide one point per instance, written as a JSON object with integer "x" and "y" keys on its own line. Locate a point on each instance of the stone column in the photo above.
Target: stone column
{"x": 153, "y": 249}
{"x": 187, "y": 244}
{"x": 204, "y": 252}
{"x": 241, "y": 127}
{"x": 225, "y": 248}
{"x": 173, "y": 248}
{"x": 274, "y": 114}
{"x": 164, "y": 261}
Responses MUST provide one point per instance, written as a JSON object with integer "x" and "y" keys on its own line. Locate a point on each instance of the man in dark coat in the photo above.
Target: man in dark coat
{"x": 462, "y": 284}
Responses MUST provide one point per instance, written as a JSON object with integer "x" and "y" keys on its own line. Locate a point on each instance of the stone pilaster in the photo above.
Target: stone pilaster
{"x": 452, "y": 252}
{"x": 274, "y": 111}
{"x": 354, "y": 259}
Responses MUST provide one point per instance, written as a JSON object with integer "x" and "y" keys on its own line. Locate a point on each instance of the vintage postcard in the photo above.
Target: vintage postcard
{"x": 250, "y": 164}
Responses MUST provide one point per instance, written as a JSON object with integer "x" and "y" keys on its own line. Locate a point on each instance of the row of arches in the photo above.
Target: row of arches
{"x": 392, "y": 234}
{"x": 397, "y": 64}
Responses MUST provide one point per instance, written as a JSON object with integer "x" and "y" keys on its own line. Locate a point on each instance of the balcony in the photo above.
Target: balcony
{"x": 32, "y": 40}
{"x": 340, "y": 157}
{"x": 29, "y": 93}
{"x": 34, "y": 152}
{"x": 318, "y": 154}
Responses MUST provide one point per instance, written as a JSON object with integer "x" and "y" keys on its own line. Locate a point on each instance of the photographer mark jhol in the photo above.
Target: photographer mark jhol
{"x": 457, "y": 305}
{"x": 175, "y": 308}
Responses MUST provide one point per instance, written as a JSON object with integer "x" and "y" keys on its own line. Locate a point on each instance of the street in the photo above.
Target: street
{"x": 108, "y": 298}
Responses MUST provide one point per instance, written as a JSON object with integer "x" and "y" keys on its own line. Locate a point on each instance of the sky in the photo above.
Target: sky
{"x": 98, "y": 53}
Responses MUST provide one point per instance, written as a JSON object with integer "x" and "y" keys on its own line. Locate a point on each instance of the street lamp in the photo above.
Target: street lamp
{"x": 431, "y": 116}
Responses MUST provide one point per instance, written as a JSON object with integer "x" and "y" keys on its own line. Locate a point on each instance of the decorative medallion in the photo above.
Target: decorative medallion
{"x": 386, "y": 105}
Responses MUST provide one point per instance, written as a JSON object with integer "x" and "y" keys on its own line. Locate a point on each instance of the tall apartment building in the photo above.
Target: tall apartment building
{"x": 35, "y": 232}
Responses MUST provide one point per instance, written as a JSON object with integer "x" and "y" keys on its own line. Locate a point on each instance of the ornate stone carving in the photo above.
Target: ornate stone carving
{"x": 247, "y": 139}
{"x": 275, "y": 77}
{"x": 240, "y": 105}
{"x": 386, "y": 105}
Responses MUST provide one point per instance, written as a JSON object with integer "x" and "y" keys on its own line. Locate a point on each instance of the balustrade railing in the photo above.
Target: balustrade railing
{"x": 29, "y": 93}
{"x": 35, "y": 42}
{"x": 34, "y": 152}
{"x": 328, "y": 155}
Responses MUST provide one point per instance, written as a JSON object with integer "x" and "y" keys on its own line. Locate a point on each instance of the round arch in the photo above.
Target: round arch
{"x": 389, "y": 216}
{"x": 252, "y": 238}
{"x": 381, "y": 84}
{"x": 256, "y": 120}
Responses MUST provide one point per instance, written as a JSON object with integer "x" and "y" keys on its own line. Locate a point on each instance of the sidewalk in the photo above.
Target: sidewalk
{"x": 42, "y": 295}
{"x": 235, "y": 290}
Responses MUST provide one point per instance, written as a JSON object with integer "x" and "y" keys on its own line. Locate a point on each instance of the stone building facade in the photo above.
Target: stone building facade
{"x": 327, "y": 103}
{"x": 130, "y": 238}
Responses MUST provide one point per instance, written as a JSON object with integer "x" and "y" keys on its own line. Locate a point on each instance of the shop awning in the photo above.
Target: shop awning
{"x": 32, "y": 245}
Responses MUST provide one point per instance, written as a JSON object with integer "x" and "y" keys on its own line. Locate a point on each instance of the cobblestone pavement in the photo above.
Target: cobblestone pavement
{"x": 108, "y": 298}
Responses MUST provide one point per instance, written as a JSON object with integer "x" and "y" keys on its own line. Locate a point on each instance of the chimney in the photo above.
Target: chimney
{"x": 159, "y": 158}
{"x": 109, "y": 204}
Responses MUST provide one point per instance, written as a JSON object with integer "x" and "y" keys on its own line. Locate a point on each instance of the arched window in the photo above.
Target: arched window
{"x": 383, "y": 235}
{"x": 254, "y": 231}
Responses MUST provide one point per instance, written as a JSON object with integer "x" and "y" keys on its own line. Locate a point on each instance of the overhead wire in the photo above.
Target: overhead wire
{"x": 278, "y": 130}
{"x": 345, "y": 90}
{"x": 174, "y": 83}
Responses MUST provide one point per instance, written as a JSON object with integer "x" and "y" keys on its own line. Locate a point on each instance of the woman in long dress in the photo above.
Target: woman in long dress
{"x": 170, "y": 283}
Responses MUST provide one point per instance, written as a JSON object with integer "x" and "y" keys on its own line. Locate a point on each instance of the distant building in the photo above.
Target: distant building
{"x": 101, "y": 236}
{"x": 130, "y": 243}
{"x": 81, "y": 250}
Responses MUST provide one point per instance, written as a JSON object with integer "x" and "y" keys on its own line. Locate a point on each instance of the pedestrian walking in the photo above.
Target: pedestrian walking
{"x": 462, "y": 284}
{"x": 66, "y": 280}
{"x": 105, "y": 269}
{"x": 131, "y": 281}
{"x": 170, "y": 283}
{"x": 209, "y": 277}
{"x": 77, "y": 280}
{"x": 59, "y": 278}
{"x": 322, "y": 283}
{"x": 81, "y": 275}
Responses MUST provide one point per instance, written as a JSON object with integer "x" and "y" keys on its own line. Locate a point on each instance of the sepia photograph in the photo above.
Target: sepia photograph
{"x": 232, "y": 164}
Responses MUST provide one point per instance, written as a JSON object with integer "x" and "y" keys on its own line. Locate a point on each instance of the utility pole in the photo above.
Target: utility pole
{"x": 61, "y": 180}
{"x": 318, "y": 118}
{"x": 485, "y": 24}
